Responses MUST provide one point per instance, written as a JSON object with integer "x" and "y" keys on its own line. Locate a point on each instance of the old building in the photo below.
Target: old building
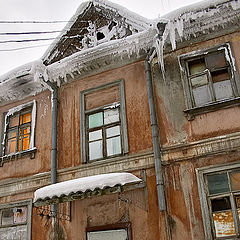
{"x": 127, "y": 128}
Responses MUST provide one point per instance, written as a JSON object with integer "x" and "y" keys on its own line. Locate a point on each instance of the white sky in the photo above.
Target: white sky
{"x": 56, "y": 10}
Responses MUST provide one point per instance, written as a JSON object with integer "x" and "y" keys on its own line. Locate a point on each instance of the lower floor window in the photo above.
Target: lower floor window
{"x": 113, "y": 232}
{"x": 15, "y": 220}
{"x": 222, "y": 199}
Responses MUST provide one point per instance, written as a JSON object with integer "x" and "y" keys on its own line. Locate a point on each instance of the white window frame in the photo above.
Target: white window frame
{"x": 9, "y": 113}
{"x": 83, "y": 114}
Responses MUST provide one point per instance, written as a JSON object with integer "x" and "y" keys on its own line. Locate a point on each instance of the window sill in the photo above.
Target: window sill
{"x": 191, "y": 113}
{"x": 17, "y": 155}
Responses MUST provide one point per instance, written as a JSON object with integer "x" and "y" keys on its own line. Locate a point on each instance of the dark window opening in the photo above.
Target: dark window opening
{"x": 100, "y": 36}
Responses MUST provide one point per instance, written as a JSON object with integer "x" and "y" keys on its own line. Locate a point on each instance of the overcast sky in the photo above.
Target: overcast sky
{"x": 55, "y": 10}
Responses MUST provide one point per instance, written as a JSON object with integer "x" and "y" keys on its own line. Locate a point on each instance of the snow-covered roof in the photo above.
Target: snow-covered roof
{"x": 136, "y": 21}
{"x": 85, "y": 184}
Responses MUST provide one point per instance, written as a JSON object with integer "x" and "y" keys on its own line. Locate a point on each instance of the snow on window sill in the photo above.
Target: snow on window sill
{"x": 213, "y": 106}
{"x": 17, "y": 155}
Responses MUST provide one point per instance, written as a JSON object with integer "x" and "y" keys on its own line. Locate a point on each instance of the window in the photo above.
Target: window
{"x": 15, "y": 220}
{"x": 103, "y": 122}
{"x": 210, "y": 78}
{"x": 18, "y": 129}
{"x": 104, "y": 133}
{"x": 113, "y": 232}
{"x": 221, "y": 203}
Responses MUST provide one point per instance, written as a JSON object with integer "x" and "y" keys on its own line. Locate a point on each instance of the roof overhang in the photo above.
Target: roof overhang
{"x": 86, "y": 187}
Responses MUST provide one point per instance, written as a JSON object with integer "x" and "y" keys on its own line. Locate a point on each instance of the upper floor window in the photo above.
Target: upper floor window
{"x": 103, "y": 122}
{"x": 18, "y": 129}
{"x": 210, "y": 78}
{"x": 104, "y": 132}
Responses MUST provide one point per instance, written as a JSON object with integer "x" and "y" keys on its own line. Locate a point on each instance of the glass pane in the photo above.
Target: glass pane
{"x": 14, "y": 121}
{"x": 20, "y": 215}
{"x": 95, "y": 120}
{"x": 111, "y": 115}
{"x": 113, "y": 146}
{"x": 202, "y": 95}
{"x": 25, "y": 118}
{"x": 235, "y": 180}
{"x": 7, "y": 216}
{"x": 12, "y": 134}
{"x": 199, "y": 80}
{"x": 24, "y": 143}
{"x": 95, "y": 150}
{"x": 113, "y": 131}
{"x": 216, "y": 60}
{"x": 95, "y": 135}
{"x": 196, "y": 66}
{"x": 223, "y": 90}
{"x": 218, "y": 183}
{"x": 220, "y": 75}
{"x": 120, "y": 234}
{"x": 11, "y": 146}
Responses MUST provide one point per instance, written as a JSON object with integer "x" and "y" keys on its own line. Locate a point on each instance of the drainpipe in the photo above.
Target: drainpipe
{"x": 155, "y": 135}
{"x": 54, "y": 139}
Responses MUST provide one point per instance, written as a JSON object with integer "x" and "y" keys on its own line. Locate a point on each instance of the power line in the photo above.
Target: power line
{"x": 10, "y": 22}
{"x": 26, "y": 33}
{"x": 28, "y": 40}
{"x": 22, "y": 48}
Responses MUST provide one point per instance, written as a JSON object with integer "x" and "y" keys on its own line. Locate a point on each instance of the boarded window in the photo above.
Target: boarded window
{"x": 120, "y": 234}
{"x": 224, "y": 202}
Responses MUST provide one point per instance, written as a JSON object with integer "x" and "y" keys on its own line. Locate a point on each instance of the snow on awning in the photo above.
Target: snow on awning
{"x": 84, "y": 187}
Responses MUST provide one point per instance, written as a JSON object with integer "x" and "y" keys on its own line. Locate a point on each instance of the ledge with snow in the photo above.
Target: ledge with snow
{"x": 86, "y": 187}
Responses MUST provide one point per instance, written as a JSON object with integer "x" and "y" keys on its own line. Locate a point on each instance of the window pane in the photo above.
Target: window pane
{"x": 12, "y": 134}
{"x": 113, "y": 131}
{"x": 14, "y": 121}
{"x": 7, "y": 216}
{"x": 25, "y": 118}
{"x": 216, "y": 60}
{"x": 120, "y": 234}
{"x": 235, "y": 180}
{"x": 11, "y": 146}
{"x": 199, "y": 80}
{"x": 111, "y": 115}
{"x": 95, "y": 150}
{"x": 196, "y": 66}
{"x": 95, "y": 135}
{"x": 223, "y": 89}
{"x": 24, "y": 143}
{"x": 95, "y": 120}
{"x": 113, "y": 146}
{"x": 218, "y": 183}
{"x": 20, "y": 215}
{"x": 202, "y": 95}
{"x": 221, "y": 75}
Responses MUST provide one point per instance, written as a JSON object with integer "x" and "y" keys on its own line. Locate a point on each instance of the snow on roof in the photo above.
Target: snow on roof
{"x": 85, "y": 184}
{"x": 131, "y": 17}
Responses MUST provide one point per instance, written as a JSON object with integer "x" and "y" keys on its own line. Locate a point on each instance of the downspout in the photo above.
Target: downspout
{"x": 54, "y": 139}
{"x": 155, "y": 135}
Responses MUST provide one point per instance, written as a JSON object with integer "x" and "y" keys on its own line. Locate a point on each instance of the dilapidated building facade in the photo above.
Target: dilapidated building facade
{"x": 127, "y": 128}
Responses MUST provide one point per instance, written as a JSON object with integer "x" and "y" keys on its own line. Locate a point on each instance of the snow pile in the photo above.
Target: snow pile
{"x": 86, "y": 183}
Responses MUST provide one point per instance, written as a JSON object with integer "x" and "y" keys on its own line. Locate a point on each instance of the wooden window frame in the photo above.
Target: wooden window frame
{"x": 206, "y": 197}
{"x": 28, "y": 204}
{"x": 84, "y": 114}
{"x": 117, "y": 226}
{"x": 22, "y": 109}
{"x": 193, "y": 110}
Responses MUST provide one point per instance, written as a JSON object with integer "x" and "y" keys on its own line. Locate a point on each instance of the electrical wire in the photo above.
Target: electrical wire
{"x": 26, "y": 33}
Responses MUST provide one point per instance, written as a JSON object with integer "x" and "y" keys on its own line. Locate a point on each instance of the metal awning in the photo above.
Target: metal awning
{"x": 86, "y": 187}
